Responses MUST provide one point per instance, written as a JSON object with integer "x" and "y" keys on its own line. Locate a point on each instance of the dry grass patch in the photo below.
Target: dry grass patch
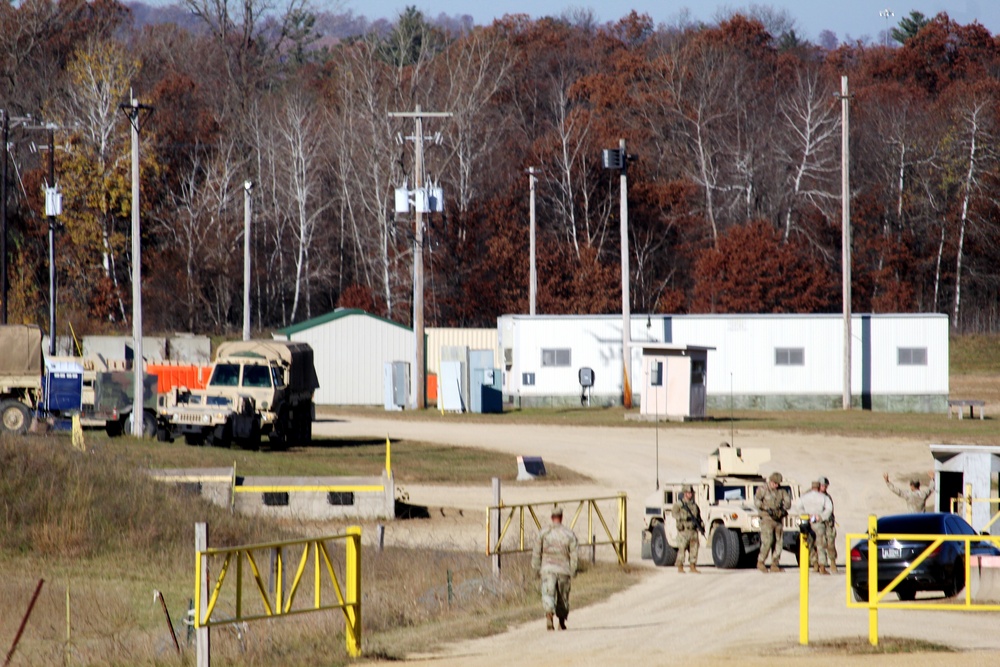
{"x": 886, "y": 646}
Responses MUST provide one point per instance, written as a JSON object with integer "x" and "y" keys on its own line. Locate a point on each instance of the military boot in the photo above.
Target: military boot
{"x": 833, "y": 568}
{"x": 761, "y": 566}
{"x": 549, "y": 625}
{"x": 775, "y": 567}
{"x": 680, "y": 567}
{"x": 693, "y": 568}
{"x": 822, "y": 569}
{"x": 562, "y": 623}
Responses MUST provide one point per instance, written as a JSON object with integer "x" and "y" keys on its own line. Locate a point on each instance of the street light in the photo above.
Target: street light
{"x": 618, "y": 159}
{"x": 886, "y": 14}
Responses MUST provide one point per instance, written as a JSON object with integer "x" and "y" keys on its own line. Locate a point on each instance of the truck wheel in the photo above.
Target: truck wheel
{"x": 725, "y": 548}
{"x": 663, "y": 553}
{"x": 162, "y": 434}
{"x": 16, "y": 418}
{"x": 148, "y": 425}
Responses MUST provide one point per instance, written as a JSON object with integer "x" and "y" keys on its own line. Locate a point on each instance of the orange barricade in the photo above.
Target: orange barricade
{"x": 169, "y": 376}
{"x": 432, "y": 387}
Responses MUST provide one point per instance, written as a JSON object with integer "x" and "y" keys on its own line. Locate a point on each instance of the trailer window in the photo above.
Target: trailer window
{"x": 225, "y": 375}
{"x": 256, "y": 376}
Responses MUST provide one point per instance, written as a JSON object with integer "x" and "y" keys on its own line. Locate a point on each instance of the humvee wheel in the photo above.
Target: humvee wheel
{"x": 725, "y": 547}
{"x": 663, "y": 553}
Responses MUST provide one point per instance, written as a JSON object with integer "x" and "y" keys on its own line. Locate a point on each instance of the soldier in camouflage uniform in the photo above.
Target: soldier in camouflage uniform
{"x": 687, "y": 517}
{"x": 830, "y": 546}
{"x": 818, "y": 507}
{"x": 773, "y": 503}
{"x": 916, "y": 498}
{"x": 555, "y": 559}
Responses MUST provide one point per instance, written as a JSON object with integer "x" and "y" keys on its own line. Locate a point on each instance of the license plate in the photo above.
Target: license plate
{"x": 891, "y": 553}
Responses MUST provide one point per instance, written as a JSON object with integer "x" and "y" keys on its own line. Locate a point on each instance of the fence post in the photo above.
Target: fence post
{"x": 202, "y": 635}
{"x": 380, "y": 536}
{"x": 352, "y": 633}
{"x": 495, "y": 527}
{"x": 804, "y": 567}
{"x": 872, "y": 580}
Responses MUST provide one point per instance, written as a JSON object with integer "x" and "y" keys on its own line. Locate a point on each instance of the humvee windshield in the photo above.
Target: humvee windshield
{"x": 730, "y": 492}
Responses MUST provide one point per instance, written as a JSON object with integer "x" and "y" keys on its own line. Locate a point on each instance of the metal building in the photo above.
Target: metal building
{"x": 899, "y": 362}
{"x": 350, "y": 350}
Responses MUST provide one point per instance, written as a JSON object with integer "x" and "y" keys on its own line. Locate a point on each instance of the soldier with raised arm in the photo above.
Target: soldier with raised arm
{"x": 554, "y": 557}
{"x": 687, "y": 517}
{"x": 773, "y": 503}
{"x": 916, "y": 498}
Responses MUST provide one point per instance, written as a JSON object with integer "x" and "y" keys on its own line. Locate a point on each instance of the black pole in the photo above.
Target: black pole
{"x": 3, "y": 216}
{"x": 52, "y": 248}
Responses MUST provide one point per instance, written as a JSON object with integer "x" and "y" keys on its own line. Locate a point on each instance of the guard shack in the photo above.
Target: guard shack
{"x": 674, "y": 381}
{"x": 958, "y": 465}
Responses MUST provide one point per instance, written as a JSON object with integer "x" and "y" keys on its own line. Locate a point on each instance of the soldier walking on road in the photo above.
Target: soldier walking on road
{"x": 687, "y": 517}
{"x": 555, "y": 558}
{"x": 818, "y": 507}
{"x": 830, "y": 548}
{"x": 773, "y": 503}
{"x": 916, "y": 498}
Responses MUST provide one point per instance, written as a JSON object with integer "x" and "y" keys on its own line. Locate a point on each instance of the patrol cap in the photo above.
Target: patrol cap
{"x": 686, "y": 488}
{"x": 823, "y": 481}
{"x": 775, "y": 477}
{"x": 557, "y": 511}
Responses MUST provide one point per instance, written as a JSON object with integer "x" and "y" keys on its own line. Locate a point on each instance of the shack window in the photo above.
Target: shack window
{"x": 556, "y": 357}
{"x": 789, "y": 356}
{"x": 656, "y": 374}
{"x": 912, "y": 356}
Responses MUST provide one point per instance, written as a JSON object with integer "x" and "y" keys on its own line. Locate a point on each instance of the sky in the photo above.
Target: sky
{"x": 847, "y": 19}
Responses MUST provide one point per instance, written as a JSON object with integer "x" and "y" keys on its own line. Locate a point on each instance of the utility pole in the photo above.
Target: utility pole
{"x": 247, "y": 207}
{"x": 419, "y": 383}
{"x": 626, "y": 296}
{"x": 52, "y": 245}
{"x": 3, "y": 216}
{"x": 845, "y": 195}
{"x": 533, "y": 280}
{"x": 133, "y": 111}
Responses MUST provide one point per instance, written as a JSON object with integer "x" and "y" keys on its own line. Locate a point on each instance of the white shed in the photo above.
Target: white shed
{"x": 350, "y": 350}
{"x": 899, "y": 362}
{"x": 673, "y": 381}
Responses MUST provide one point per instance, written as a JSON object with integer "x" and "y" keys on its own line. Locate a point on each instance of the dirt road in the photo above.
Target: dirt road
{"x": 695, "y": 619}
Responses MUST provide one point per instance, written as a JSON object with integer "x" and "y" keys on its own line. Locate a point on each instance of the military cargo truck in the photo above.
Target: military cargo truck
{"x": 53, "y": 388}
{"x": 725, "y": 495}
{"x": 256, "y": 388}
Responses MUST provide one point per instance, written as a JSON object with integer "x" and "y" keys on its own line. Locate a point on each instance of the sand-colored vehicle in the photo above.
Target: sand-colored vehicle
{"x": 256, "y": 388}
{"x": 725, "y": 495}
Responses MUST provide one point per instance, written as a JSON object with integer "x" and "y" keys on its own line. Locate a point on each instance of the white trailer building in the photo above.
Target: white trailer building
{"x": 899, "y": 362}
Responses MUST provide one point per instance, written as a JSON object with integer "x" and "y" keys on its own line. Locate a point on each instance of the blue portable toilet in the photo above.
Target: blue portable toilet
{"x": 63, "y": 387}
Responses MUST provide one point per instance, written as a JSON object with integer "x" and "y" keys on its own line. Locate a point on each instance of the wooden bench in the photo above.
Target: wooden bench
{"x": 959, "y": 405}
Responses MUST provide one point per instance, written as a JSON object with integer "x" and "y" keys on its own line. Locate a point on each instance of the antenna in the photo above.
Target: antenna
{"x": 732, "y": 430}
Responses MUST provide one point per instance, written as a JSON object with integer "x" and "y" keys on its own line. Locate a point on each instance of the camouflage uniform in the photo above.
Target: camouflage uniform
{"x": 916, "y": 498}
{"x": 773, "y": 505}
{"x": 687, "y": 518}
{"x": 555, "y": 558}
{"x": 818, "y": 507}
{"x": 829, "y": 549}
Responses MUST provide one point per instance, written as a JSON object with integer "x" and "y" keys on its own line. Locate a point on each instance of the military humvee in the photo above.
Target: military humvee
{"x": 725, "y": 495}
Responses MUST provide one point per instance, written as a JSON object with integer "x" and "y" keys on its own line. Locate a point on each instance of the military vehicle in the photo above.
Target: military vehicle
{"x": 725, "y": 495}
{"x": 256, "y": 388}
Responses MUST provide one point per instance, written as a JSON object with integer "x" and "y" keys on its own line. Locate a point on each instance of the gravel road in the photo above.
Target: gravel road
{"x": 695, "y": 619}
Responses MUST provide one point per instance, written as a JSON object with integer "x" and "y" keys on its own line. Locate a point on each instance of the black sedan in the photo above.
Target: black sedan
{"x": 943, "y": 570}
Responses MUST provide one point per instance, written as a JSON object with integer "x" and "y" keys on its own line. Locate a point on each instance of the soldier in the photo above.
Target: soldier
{"x": 830, "y": 548}
{"x": 554, "y": 558}
{"x": 773, "y": 503}
{"x": 916, "y": 498}
{"x": 687, "y": 517}
{"x": 818, "y": 507}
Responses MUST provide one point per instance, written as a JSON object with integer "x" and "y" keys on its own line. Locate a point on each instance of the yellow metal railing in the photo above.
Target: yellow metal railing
{"x": 876, "y": 596}
{"x": 278, "y": 602}
{"x": 616, "y": 536}
{"x": 963, "y": 505}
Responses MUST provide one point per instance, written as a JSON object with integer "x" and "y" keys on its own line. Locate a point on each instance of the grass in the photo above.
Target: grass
{"x": 886, "y": 646}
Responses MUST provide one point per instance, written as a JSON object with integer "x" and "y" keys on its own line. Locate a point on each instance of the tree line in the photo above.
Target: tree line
{"x": 734, "y": 198}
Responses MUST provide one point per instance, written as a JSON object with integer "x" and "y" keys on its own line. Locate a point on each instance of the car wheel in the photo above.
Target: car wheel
{"x": 957, "y": 582}
{"x": 663, "y": 553}
{"x": 905, "y": 593}
{"x": 860, "y": 594}
{"x": 725, "y": 547}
